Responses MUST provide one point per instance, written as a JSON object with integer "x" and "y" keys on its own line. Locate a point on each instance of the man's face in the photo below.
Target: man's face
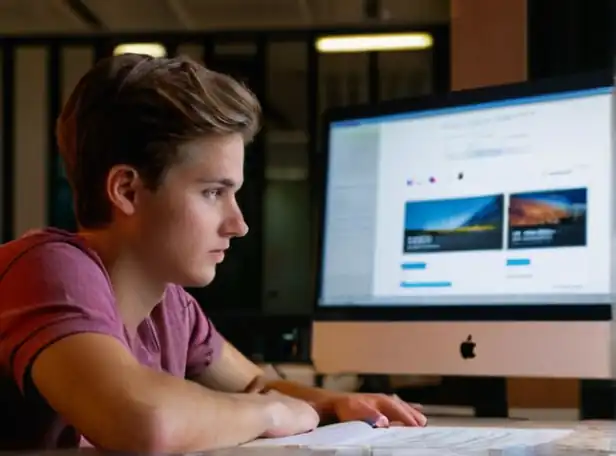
{"x": 183, "y": 229}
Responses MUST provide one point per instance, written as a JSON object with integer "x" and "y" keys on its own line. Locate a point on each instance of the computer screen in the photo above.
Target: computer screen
{"x": 470, "y": 233}
{"x": 506, "y": 201}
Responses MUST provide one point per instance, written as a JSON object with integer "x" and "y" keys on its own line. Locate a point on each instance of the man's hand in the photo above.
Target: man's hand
{"x": 380, "y": 410}
{"x": 289, "y": 416}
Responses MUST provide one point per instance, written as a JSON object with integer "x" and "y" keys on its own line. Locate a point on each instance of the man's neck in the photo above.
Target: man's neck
{"x": 136, "y": 294}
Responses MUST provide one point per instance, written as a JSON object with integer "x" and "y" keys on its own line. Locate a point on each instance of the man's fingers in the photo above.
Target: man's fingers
{"x": 415, "y": 405}
{"x": 398, "y": 410}
{"x": 415, "y": 409}
{"x": 422, "y": 420}
{"x": 375, "y": 418}
{"x": 395, "y": 411}
{"x": 360, "y": 409}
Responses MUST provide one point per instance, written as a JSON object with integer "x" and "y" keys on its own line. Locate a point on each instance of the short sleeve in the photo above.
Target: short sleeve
{"x": 205, "y": 343}
{"x": 49, "y": 292}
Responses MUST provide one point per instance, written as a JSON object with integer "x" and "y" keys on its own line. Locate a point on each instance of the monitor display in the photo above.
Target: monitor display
{"x": 496, "y": 202}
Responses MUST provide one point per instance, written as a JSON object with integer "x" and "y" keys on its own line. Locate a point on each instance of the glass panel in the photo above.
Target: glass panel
{"x": 63, "y": 215}
{"x": 76, "y": 61}
{"x": 343, "y": 79}
{"x": 286, "y": 235}
{"x": 286, "y": 87}
{"x": 288, "y": 279}
{"x": 405, "y": 74}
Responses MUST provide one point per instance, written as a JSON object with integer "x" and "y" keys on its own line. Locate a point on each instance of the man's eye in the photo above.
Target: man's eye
{"x": 212, "y": 193}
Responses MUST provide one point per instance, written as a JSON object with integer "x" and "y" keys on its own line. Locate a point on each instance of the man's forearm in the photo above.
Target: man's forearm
{"x": 230, "y": 373}
{"x": 320, "y": 398}
{"x": 119, "y": 404}
{"x": 194, "y": 418}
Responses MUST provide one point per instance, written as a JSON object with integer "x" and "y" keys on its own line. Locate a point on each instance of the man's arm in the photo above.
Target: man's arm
{"x": 98, "y": 386}
{"x": 233, "y": 372}
{"x": 230, "y": 372}
{"x": 61, "y": 339}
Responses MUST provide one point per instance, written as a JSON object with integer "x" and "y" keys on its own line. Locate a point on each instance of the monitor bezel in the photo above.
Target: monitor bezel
{"x": 454, "y": 312}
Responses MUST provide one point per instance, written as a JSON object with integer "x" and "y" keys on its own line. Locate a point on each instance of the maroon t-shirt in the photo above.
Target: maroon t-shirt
{"x": 51, "y": 286}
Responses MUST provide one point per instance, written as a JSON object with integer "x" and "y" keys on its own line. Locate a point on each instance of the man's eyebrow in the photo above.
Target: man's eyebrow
{"x": 224, "y": 182}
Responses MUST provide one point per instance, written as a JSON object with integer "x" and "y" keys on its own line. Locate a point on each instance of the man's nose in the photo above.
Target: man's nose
{"x": 235, "y": 225}
{"x": 242, "y": 229}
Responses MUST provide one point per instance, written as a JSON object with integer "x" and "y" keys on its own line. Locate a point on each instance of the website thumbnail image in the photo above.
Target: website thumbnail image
{"x": 541, "y": 219}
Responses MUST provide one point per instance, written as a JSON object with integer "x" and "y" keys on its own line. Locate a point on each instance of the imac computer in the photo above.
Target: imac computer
{"x": 470, "y": 234}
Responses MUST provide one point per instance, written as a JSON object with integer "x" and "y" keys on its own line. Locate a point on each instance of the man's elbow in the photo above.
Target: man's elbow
{"x": 152, "y": 431}
{"x": 131, "y": 431}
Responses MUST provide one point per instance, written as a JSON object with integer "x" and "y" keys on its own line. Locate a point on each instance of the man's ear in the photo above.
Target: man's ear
{"x": 123, "y": 183}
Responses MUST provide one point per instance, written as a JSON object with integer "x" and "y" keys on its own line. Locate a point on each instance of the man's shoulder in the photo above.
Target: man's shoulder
{"x": 48, "y": 243}
{"x": 50, "y": 287}
{"x": 49, "y": 251}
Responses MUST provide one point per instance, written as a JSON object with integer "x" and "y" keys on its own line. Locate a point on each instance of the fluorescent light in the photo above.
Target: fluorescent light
{"x": 373, "y": 43}
{"x": 153, "y": 49}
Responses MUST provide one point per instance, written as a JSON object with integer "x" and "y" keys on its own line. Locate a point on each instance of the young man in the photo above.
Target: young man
{"x": 99, "y": 342}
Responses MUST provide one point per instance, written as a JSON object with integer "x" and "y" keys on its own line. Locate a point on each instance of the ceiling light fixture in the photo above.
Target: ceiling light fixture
{"x": 374, "y": 42}
{"x": 152, "y": 49}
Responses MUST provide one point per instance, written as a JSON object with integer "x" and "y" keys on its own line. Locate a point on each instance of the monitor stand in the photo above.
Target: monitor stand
{"x": 487, "y": 395}
{"x": 597, "y": 400}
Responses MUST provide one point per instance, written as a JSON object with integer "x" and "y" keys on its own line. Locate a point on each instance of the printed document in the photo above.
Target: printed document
{"x": 464, "y": 439}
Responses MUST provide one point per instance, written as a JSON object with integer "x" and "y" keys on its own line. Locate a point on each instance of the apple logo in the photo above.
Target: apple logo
{"x": 467, "y": 348}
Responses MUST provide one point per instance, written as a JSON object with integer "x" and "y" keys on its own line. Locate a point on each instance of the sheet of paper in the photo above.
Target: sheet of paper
{"x": 459, "y": 439}
{"x": 285, "y": 451}
{"x": 340, "y": 434}
{"x": 424, "y": 452}
{"x": 432, "y": 438}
